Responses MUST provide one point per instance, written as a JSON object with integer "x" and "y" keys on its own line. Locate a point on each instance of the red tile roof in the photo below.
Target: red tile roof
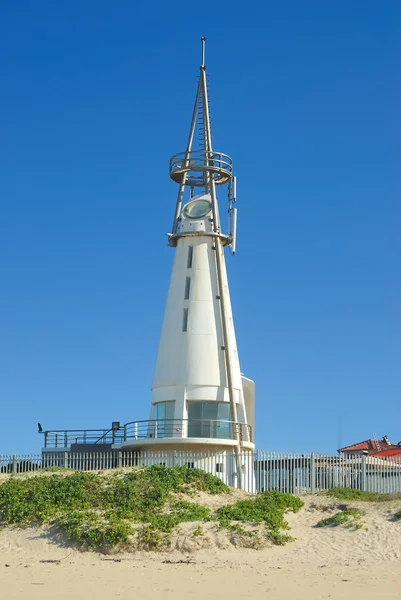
{"x": 373, "y": 446}
{"x": 392, "y": 453}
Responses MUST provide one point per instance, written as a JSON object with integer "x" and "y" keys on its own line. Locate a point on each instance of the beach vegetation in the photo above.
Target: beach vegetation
{"x": 140, "y": 508}
{"x": 101, "y": 511}
{"x": 350, "y": 494}
{"x": 198, "y": 531}
{"x": 266, "y": 508}
{"x": 348, "y": 517}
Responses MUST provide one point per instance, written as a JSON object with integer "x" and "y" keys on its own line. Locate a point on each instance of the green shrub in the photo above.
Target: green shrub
{"x": 97, "y": 512}
{"x": 347, "y": 517}
{"x": 198, "y": 531}
{"x": 150, "y": 538}
{"x": 268, "y": 508}
{"x": 349, "y": 494}
{"x": 189, "y": 511}
{"x": 35, "y": 500}
{"x": 92, "y": 531}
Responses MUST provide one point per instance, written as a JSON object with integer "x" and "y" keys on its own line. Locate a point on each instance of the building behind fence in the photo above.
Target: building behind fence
{"x": 294, "y": 473}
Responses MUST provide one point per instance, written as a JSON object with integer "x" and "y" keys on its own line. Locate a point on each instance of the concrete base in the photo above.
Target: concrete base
{"x": 185, "y": 444}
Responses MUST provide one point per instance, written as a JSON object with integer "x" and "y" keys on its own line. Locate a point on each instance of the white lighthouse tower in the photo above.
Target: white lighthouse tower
{"x": 200, "y": 400}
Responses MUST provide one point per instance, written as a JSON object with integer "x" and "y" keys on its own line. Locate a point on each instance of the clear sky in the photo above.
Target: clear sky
{"x": 95, "y": 98}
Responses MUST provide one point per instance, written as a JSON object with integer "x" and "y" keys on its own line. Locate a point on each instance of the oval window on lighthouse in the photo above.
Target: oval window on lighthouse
{"x": 197, "y": 209}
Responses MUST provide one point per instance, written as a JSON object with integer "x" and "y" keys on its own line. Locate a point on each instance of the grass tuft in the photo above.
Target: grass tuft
{"x": 267, "y": 508}
{"x": 348, "y": 517}
{"x": 350, "y": 494}
{"x": 198, "y": 531}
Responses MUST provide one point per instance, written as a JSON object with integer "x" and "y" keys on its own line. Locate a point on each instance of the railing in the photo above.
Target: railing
{"x": 219, "y": 165}
{"x": 187, "y": 428}
{"x": 293, "y": 473}
{"x": 65, "y": 438}
{"x": 156, "y": 429}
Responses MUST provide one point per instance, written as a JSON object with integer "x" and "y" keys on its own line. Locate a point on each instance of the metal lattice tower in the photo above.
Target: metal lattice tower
{"x": 204, "y": 168}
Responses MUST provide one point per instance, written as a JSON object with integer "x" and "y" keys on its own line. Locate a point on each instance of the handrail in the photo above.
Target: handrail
{"x": 72, "y": 430}
{"x": 63, "y": 438}
{"x": 103, "y": 436}
{"x": 186, "y": 420}
{"x": 187, "y": 428}
{"x": 196, "y": 163}
{"x": 207, "y": 153}
{"x": 149, "y": 429}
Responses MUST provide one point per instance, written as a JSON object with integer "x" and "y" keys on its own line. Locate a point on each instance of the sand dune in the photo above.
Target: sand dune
{"x": 332, "y": 563}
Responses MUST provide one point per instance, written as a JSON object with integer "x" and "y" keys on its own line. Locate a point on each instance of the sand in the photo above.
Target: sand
{"x": 322, "y": 563}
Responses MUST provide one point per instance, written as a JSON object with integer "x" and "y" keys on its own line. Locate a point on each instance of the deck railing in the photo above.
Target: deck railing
{"x": 187, "y": 428}
{"x": 154, "y": 429}
{"x": 59, "y": 439}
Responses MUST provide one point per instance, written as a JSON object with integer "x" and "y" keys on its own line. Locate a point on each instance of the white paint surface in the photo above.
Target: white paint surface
{"x": 190, "y": 364}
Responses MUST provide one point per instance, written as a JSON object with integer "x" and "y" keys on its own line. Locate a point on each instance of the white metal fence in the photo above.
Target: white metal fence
{"x": 294, "y": 473}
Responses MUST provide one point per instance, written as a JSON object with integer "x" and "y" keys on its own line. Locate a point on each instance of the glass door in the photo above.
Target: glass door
{"x": 164, "y": 415}
{"x": 209, "y": 420}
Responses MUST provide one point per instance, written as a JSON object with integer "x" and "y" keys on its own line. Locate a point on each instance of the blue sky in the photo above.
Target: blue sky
{"x": 96, "y": 97}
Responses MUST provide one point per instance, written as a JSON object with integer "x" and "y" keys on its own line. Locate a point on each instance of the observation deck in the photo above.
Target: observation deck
{"x": 196, "y": 164}
{"x": 136, "y": 434}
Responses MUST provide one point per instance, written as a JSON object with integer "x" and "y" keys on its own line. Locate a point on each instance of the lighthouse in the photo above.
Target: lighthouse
{"x": 200, "y": 399}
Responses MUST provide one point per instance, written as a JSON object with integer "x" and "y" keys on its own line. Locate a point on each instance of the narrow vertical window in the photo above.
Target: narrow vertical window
{"x": 190, "y": 254}
{"x": 185, "y": 320}
{"x": 187, "y": 288}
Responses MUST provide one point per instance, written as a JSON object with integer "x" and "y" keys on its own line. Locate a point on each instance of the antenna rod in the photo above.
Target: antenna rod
{"x": 187, "y": 154}
{"x": 203, "y": 40}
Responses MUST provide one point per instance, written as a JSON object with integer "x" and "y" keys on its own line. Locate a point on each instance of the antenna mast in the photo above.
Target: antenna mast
{"x": 204, "y": 167}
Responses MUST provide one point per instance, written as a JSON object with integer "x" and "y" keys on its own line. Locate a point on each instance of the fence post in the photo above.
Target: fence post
{"x": 15, "y": 464}
{"x": 120, "y": 459}
{"x": 312, "y": 474}
{"x": 66, "y": 461}
{"x": 363, "y": 474}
